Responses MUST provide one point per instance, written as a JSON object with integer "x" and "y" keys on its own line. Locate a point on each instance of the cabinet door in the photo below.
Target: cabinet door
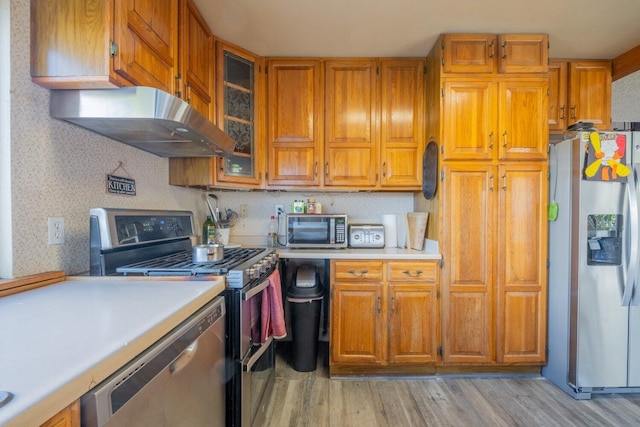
{"x": 590, "y": 93}
{"x": 146, "y": 35}
{"x": 523, "y": 128}
{"x": 295, "y": 109}
{"x": 558, "y": 96}
{"x": 357, "y": 327}
{"x": 196, "y": 60}
{"x": 402, "y": 105}
{"x": 468, "y": 119}
{"x": 468, "y": 53}
{"x": 523, "y": 53}
{"x": 413, "y": 314}
{"x": 239, "y": 88}
{"x": 468, "y": 274}
{"x": 522, "y": 255}
{"x": 68, "y": 417}
{"x": 351, "y": 123}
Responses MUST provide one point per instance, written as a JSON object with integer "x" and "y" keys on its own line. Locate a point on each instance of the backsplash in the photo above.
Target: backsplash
{"x": 59, "y": 170}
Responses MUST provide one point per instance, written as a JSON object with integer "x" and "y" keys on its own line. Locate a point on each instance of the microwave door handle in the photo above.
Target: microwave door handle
{"x": 632, "y": 271}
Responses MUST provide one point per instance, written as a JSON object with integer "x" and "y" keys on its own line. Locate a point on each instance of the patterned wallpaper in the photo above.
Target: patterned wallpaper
{"x": 59, "y": 170}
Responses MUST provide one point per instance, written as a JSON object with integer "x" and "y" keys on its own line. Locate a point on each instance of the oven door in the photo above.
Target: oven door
{"x": 258, "y": 378}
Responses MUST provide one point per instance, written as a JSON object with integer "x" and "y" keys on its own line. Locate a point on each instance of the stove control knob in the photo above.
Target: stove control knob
{"x": 250, "y": 272}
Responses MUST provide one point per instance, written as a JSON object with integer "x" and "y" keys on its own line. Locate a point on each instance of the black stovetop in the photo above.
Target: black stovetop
{"x": 180, "y": 263}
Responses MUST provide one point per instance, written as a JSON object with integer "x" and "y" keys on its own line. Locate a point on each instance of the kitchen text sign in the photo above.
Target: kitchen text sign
{"x": 121, "y": 185}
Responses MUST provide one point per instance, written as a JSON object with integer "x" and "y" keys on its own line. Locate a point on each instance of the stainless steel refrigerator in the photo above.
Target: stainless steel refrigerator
{"x": 594, "y": 317}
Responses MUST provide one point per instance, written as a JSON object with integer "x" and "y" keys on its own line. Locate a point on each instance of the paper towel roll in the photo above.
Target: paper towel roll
{"x": 389, "y": 221}
{"x": 402, "y": 225}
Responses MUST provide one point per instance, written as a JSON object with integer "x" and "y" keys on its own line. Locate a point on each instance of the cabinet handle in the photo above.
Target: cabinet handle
{"x": 491, "y": 140}
{"x": 504, "y": 50}
{"x": 362, "y": 273}
{"x": 504, "y": 180}
{"x": 393, "y": 302}
{"x": 491, "y": 185}
{"x": 573, "y": 112}
{"x": 492, "y": 47}
{"x": 179, "y": 86}
{"x": 384, "y": 169}
{"x": 315, "y": 169}
{"x": 326, "y": 169}
{"x": 417, "y": 273}
{"x": 379, "y": 305}
{"x": 187, "y": 90}
{"x": 562, "y": 113}
{"x": 505, "y": 139}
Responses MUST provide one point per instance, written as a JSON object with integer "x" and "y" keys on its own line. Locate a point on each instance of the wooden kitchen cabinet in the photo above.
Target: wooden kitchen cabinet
{"x": 196, "y": 70}
{"x": 580, "y": 91}
{"x": 239, "y": 105}
{"x": 351, "y": 119}
{"x": 295, "y": 118}
{"x": 384, "y": 316}
{"x": 104, "y": 44}
{"x": 402, "y": 123}
{"x": 68, "y": 417}
{"x": 490, "y": 53}
{"x": 485, "y": 119}
{"x": 494, "y": 286}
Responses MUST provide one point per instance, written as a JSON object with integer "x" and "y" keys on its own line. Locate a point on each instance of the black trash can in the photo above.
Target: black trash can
{"x": 305, "y": 300}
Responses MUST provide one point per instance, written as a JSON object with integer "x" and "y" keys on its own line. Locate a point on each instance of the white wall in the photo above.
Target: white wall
{"x": 59, "y": 170}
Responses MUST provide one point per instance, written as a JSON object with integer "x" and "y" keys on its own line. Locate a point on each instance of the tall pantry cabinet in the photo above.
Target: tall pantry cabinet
{"x": 487, "y": 102}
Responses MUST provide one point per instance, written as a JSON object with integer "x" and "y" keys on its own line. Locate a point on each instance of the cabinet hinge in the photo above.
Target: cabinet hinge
{"x": 548, "y": 92}
{"x": 441, "y": 176}
{"x": 442, "y": 92}
{"x": 443, "y": 61}
{"x": 424, "y": 71}
{"x": 439, "y": 351}
{"x": 442, "y": 44}
{"x": 377, "y": 71}
{"x": 438, "y": 294}
{"x": 548, "y": 263}
{"x": 113, "y": 48}
{"x": 441, "y": 263}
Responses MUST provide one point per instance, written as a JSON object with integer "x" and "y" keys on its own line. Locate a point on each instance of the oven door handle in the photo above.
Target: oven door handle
{"x": 255, "y": 290}
{"x": 246, "y": 366}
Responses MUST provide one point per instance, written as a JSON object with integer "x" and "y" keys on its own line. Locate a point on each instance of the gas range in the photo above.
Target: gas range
{"x": 158, "y": 243}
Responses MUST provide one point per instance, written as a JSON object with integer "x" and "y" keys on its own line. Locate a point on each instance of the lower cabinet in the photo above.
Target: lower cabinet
{"x": 383, "y": 316}
{"x": 68, "y": 417}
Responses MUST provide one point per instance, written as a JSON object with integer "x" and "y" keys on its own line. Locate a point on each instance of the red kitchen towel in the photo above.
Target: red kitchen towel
{"x": 272, "y": 312}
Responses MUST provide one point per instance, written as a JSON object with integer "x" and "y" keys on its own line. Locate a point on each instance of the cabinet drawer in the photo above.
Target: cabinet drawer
{"x": 413, "y": 271}
{"x": 359, "y": 270}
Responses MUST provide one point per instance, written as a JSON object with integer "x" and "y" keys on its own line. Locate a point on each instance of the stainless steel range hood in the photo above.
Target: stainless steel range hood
{"x": 143, "y": 117}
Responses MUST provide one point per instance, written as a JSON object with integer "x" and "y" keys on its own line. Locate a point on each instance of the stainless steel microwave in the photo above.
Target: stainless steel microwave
{"x": 317, "y": 231}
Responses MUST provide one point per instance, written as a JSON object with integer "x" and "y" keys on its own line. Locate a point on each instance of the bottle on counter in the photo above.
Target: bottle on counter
{"x": 208, "y": 231}
{"x": 272, "y": 237}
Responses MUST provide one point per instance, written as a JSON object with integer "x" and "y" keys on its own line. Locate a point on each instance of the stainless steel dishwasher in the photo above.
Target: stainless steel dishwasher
{"x": 179, "y": 381}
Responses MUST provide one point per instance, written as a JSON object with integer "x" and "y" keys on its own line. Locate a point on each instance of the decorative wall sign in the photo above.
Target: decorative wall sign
{"x": 121, "y": 184}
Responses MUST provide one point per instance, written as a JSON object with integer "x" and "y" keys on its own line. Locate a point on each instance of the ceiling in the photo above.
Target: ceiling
{"x": 601, "y": 29}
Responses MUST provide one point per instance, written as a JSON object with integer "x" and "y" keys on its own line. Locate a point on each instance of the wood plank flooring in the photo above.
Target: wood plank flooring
{"x": 312, "y": 399}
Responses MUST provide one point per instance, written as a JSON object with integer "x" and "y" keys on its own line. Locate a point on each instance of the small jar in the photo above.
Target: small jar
{"x": 311, "y": 206}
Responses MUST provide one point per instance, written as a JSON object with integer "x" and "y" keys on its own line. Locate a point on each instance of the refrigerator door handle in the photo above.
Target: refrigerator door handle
{"x": 632, "y": 272}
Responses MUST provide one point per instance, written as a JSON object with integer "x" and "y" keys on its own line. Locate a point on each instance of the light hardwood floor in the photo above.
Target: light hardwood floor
{"x": 312, "y": 399}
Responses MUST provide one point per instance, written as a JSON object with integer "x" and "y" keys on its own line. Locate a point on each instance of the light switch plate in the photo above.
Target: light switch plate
{"x": 55, "y": 230}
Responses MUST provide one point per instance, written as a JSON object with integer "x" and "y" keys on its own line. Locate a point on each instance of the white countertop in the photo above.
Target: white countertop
{"x": 59, "y": 341}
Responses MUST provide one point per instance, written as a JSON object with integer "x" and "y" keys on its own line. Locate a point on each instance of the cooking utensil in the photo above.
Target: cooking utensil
{"x": 207, "y": 253}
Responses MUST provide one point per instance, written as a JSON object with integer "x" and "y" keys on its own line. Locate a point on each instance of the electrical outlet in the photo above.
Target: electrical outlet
{"x": 244, "y": 211}
{"x": 55, "y": 230}
{"x": 279, "y": 210}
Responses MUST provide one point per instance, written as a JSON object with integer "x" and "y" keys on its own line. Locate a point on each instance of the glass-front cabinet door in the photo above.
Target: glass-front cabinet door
{"x": 239, "y": 91}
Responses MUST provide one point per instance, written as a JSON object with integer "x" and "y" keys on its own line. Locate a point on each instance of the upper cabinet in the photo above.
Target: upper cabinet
{"x": 490, "y": 53}
{"x": 294, "y": 130}
{"x": 580, "y": 92}
{"x": 196, "y": 76}
{"x": 104, "y": 44}
{"x": 345, "y": 123}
